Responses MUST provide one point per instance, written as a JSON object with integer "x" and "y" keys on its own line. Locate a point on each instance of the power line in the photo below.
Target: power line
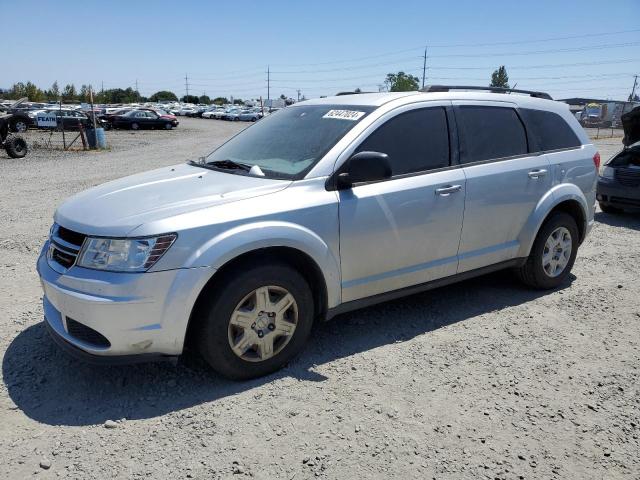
{"x": 539, "y": 52}
{"x": 458, "y": 45}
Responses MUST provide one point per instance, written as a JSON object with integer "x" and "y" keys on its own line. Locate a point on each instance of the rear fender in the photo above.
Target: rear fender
{"x": 554, "y": 197}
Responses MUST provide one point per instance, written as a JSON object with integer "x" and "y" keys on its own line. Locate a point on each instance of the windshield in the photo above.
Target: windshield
{"x": 289, "y": 143}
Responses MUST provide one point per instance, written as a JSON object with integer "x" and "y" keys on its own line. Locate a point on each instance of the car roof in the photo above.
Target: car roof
{"x": 379, "y": 99}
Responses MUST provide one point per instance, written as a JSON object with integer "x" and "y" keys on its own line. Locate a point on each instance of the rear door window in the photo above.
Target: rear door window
{"x": 490, "y": 133}
{"x": 549, "y": 130}
{"x": 416, "y": 141}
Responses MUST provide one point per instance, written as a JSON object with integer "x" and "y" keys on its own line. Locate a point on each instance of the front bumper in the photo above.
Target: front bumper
{"x": 139, "y": 314}
{"x": 610, "y": 192}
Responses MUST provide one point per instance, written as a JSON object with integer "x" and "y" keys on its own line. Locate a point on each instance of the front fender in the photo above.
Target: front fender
{"x": 246, "y": 238}
{"x": 555, "y": 196}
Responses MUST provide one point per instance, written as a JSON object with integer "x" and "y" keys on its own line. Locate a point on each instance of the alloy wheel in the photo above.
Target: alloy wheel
{"x": 263, "y": 323}
{"x": 557, "y": 252}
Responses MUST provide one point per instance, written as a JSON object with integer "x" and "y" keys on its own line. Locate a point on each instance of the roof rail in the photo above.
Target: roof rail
{"x": 447, "y": 88}
{"x": 339, "y": 94}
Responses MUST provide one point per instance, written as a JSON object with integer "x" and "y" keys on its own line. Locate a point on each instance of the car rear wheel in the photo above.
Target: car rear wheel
{"x": 135, "y": 126}
{"x": 609, "y": 209}
{"x": 15, "y": 146}
{"x": 255, "y": 321}
{"x": 553, "y": 253}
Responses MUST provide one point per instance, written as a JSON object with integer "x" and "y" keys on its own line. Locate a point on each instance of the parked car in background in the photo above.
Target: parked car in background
{"x": 619, "y": 182}
{"x": 211, "y": 112}
{"x": 142, "y": 119}
{"x": 71, "y": 119}
{"x": 19, "y": 120}
{"x": 233, "y": 114}
{"x": 252, "y": 115}
{"x": 330, "y": 205}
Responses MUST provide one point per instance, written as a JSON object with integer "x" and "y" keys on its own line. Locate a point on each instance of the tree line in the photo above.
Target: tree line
{"x": 404, "y": 82}
{"x": 69, "y": 94}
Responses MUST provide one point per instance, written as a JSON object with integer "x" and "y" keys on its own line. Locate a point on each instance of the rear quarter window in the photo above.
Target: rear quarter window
{"x": 549, "y": 131}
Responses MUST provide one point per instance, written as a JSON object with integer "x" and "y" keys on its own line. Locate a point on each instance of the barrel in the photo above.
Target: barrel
{"x": 102, "y": 138}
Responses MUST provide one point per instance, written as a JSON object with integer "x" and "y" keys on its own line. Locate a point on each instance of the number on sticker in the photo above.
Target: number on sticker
{"x": 352, "y": 115}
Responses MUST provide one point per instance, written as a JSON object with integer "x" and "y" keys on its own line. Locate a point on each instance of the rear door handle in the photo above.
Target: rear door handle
{"x": 449, "y": 189}
{"x": 541, "y": 172}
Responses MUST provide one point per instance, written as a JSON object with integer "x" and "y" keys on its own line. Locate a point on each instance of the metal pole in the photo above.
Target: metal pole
{"x": 93, "y": 115}
{"x": 424, "y": 66}
{"x": 186, "y": 83}
{"x": 268, "y": 86}
{"x": 633, "y": 90}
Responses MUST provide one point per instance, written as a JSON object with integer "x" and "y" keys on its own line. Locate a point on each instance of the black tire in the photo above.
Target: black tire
{"x": 106, "y": 126}
{"x": 609, "y": 209}
{"x": 214, "y": 315}
{"x": 135, "y": 126}
{"x": 532, "y": 272}
{"x": 168, "y": 126}
{"x": 16, "y": 146}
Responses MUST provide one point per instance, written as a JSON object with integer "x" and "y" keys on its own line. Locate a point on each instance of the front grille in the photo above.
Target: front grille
{"x": 87, "y": 335}
{"x": 629, "y": 177}
{"x": 65, "y": 246}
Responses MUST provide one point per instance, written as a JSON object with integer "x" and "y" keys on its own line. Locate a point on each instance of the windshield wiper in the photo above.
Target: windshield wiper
{"x": 230, "y": 165}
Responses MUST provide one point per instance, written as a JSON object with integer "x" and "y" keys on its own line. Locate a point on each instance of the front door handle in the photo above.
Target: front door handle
{"x": 541, "y": 172}
{"x": 448, "y": 190}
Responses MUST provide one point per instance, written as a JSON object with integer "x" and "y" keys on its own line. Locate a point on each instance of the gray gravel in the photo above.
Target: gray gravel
{"x": 483, "y": 379}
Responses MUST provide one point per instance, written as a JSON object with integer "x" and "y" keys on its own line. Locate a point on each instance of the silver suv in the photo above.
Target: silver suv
{"x": 323, "y": 207}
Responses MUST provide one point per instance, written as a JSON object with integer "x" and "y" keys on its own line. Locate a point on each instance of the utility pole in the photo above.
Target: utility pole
{"x": 137, "y": 91}
{"x": 269, "y": 86}
{"x": 298, "y": 94}
{"x": 186, "y": 83}
{"x": 633, "y": 90}
{"x": 424, "y": 66}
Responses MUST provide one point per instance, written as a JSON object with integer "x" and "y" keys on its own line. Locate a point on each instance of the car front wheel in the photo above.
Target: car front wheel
{"x": 135, "y": 126}
{"x": 255, "y": 321}
{"x": 553, "y": 253}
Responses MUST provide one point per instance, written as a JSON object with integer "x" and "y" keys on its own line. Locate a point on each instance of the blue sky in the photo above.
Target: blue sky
{"x": 321, "y": 47}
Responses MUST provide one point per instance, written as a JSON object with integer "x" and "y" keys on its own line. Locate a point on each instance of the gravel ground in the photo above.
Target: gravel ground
{"x": 484, "y": 379}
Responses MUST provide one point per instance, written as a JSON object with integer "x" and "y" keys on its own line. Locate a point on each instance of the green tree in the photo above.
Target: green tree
{"x": 204, "y": 99}
{"x": 238, "y": 101}
{"x": 54, "y": 92}
{"x": 221, "y": 100}
{"x": 499, "y": 78}
{"x": 69, "y": 93}
{"x": 401, "y": 82}
{"x": 33, "y": 92}
{"x": 84, "y": 96}
{"x": 163, "y": 96}
{"x": 18, "y": 90}
{"x": 189, "y": 99}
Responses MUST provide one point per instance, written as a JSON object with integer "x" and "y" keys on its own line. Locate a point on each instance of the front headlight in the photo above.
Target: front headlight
{"x": 124, "y": 254}
{"x": 607, "y": 172}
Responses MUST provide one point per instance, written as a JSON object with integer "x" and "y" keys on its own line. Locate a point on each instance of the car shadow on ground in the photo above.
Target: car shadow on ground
{"x": 54, "y": 389}
{"x": 626, "y": 219}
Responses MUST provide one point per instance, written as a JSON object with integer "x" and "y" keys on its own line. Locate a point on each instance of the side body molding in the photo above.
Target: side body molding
{"x": 555, "y": 196}
{"x": 253, "y": 236}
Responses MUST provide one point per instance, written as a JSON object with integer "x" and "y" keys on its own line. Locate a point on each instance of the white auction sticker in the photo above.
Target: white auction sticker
{"x": 352, "y": 115}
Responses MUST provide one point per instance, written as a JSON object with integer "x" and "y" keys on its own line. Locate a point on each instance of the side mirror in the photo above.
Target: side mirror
{"x": 364, "y": 167}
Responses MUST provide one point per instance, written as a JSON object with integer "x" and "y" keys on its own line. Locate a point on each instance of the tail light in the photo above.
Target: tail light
{"x": 596, "y": 160}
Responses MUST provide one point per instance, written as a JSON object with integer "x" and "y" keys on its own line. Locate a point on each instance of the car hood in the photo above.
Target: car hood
{"x": 118, "y": 207}
{"x": 631, "y": 126}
